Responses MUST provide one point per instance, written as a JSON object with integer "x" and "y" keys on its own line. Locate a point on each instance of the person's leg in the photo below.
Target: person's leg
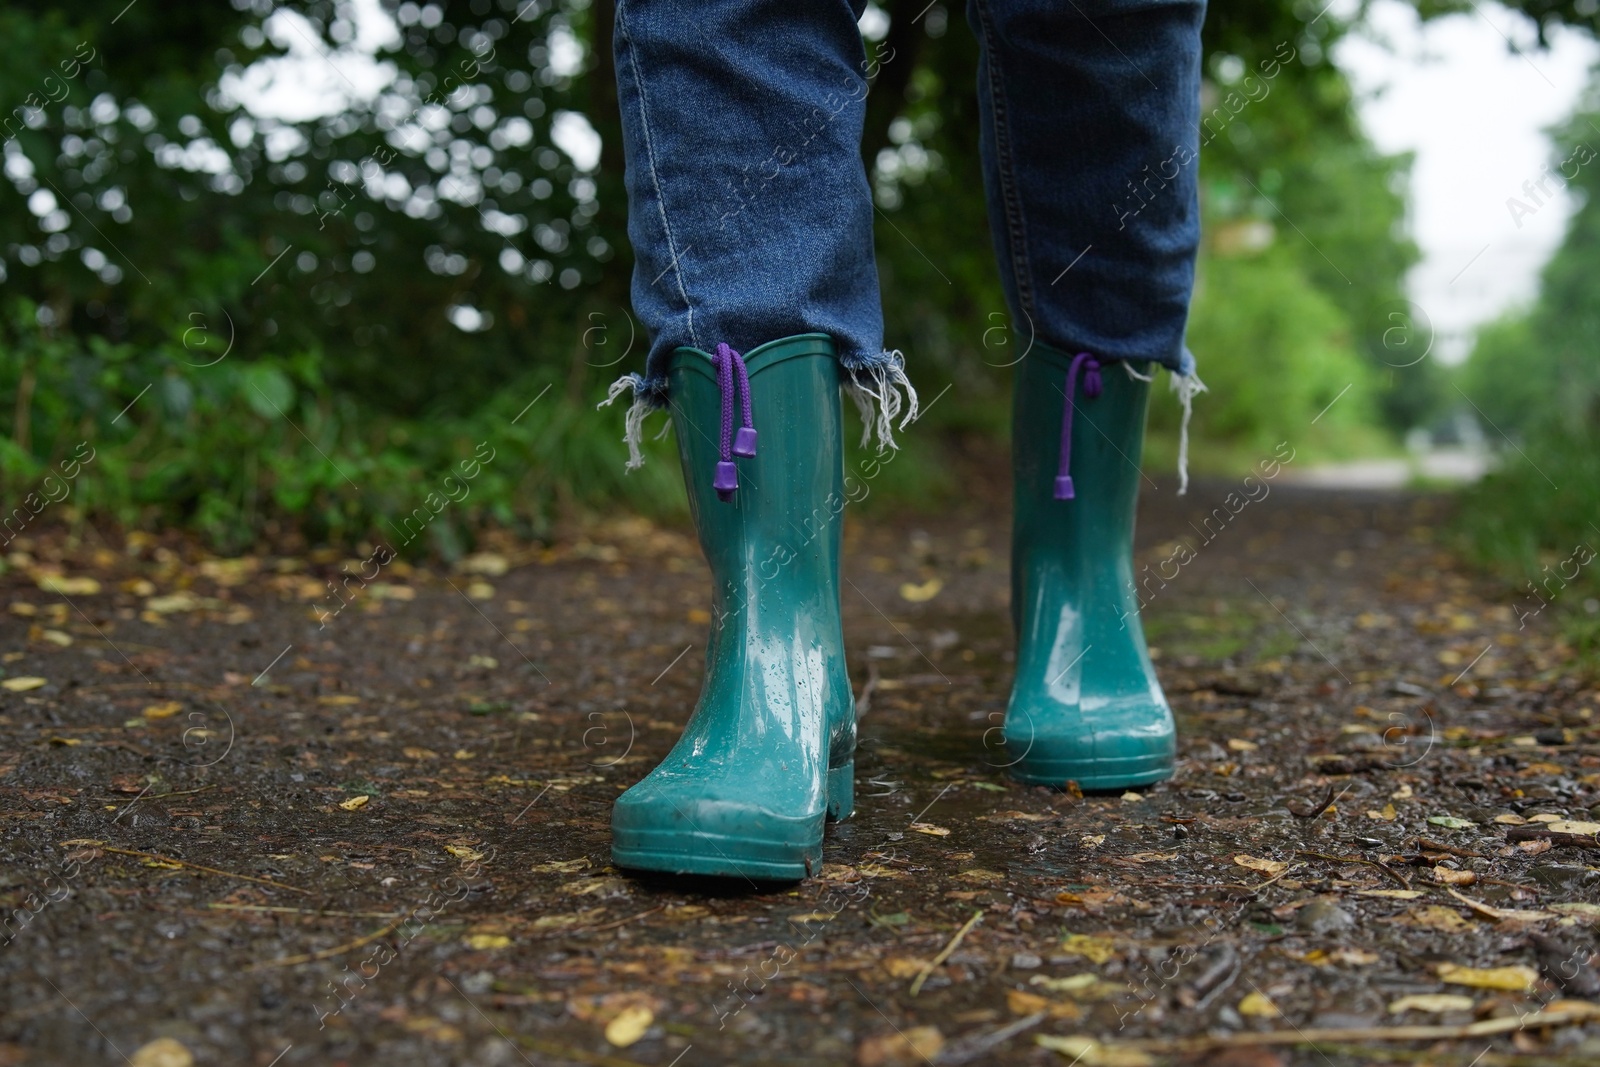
{"x": 751, "y": 220}
{"x": 1089, "y": 135}
{"x": 749, "y": 211}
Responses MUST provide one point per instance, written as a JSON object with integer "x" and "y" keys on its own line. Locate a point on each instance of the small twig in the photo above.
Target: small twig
{"x": 967, "y": 1049}
{"x": 612, "y": 925}
{"x": 202, "y": 867}
{"x": 1439, "y": 846}
{"x": 173, "y": 793}
{"x": 944, "y": 953}
{"x": 1539, "y": 833}
{"x": 1558, "y": 1016}
{"x": 1300, "y": 812}
{"x": 1384, "y": 867}
{"x": 316, "y": 913}
{"x": 328, "y": 953}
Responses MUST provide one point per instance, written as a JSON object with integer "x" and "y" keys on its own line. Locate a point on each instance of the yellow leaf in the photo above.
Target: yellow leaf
{"x": 1077, "y": 983}
{"x": 22, "y": 683}
{"x": 1437, "y": 917}
{"x": 1020, "y": 1002}
{"x": 1092, "y": 840}
{"x": 561, "y": 866}
{"x": 1566, "y": 826}
{"x": 463, "y": 853}
{"x": 1450, "y": 877}
{"x": 1518, "y": 978}
{"x": 1096, "y": 950}
{"x": 1387, "y": 814}
{"x": 1132, "y": 797}
{"x": 979, "y": 875}
{"x": 1510, "y": 819}
{"x": 1392, "y": 894}
{"x": 930, "y": 829}
{"x": 57, "y": 638}
{"x": 1091, "y": 1053}
{"x": 354, "y": 802}
{"x": 462, "y": 753}
{"x": 69, "y": 586}
{"x": 487, "y": 941}
{"x": 1437, "y": 1003}
{"x": 629, "y": 1025}
{"x": 164, "y": 710}
{"x": 419, "y": 753}
{"x": 919, "y": 594}
{"x": 162, "y": 1052}
{"x": 339, "y": 700}
{"x": 904, "y": 966}
{"x": 1258, "y": 864}
{"x": 1258, "y": 1005}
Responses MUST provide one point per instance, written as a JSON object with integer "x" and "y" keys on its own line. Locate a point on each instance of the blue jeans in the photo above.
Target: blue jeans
{"x": 750, "y": 213}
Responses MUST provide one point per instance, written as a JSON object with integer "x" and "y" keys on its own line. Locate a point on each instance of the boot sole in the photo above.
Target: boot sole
{"x": 672, "y": 851}
{"x": 1094, "y": 775}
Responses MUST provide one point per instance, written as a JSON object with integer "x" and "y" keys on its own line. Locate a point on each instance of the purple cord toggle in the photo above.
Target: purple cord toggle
{"x": 1091, "y": 388}
{"x": 732, "y": 376}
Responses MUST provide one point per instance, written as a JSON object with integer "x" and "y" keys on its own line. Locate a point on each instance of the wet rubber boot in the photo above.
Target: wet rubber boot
{"x": 1086, "y": 706}
{"x": 769, "y": 752}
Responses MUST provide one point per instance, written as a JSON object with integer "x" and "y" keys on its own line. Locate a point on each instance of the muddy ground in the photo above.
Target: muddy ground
{"x": 235, "y": 833}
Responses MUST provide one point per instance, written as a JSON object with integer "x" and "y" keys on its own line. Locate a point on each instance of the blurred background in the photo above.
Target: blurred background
{"x": 268, "y": 271}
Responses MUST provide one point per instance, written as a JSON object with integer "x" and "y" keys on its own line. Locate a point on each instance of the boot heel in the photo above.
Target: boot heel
{"x": 842, "y": 791}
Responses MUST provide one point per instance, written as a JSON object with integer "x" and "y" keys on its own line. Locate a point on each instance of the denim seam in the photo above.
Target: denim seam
{"x": 676, "y": 264}
{"x": 1011, "y": 204}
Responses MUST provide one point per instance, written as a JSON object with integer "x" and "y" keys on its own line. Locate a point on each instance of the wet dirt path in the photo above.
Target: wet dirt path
{"x": 1376, "y": 763}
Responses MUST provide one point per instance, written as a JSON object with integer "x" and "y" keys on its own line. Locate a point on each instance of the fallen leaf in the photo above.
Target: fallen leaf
{"x": 919, "y": 1044}
{"x": 487, "y": 941}
{"x": 1096, "y": 950}
{"x": 1437, "y": 917}
{"x": 1255, "y": 863}
{"x": 1092, "y": 840}
{"x": 1020, "y": 1002}
{"x": 1586, "y": 911}
{"x": 1076, "y": 983}
{"x": 1450, "y": 822}
{"x": 1545, "y": 816}
{"x": 1131, "y": 797}
{"x": 57, "y": 638}
{"x": 930, "y": 829}
{"x": 1533, "y": 848}
{"x": 1501, "y": 914}
{"x": 629, "y": 1025}
{"x": 162, "y": 711}
{"x": 1518, "y": 978}
{"x": 1258, "y": 1005}
{"x": 1239, "y": 744}
{"x": 981, "y": 876}
{"x": 561, "y": 866}
{"x": 1450, "y": 877}
{"x": 1387, "y": 814}
{"x": 162, "y": 1052}
{"x": 339, "y": 700}
{"x": 1510, "y": 820}
{"x": 354, "y": 802}
{"x": 22, "y": 683}
{"x": 1566, "y": 826}
{"x": 1091, "y": 1053}
{"x": 51, "y": 583}
{"x": 1437, "y": 1003}
{"x": 904, "y": 966}
{"x": 1392, "y": 894}
{"x": 920, "y": 594}
{"x": 461, "y": 852}
{"x": 419, "y": 753}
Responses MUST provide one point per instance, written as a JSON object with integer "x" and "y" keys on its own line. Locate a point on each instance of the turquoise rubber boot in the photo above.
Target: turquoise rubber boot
{"x": 770, "y": 749}
{"x": 1086, "y": 706}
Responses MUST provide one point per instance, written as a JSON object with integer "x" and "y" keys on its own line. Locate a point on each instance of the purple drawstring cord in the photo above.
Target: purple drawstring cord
{"x": 731, "y": 371}
{"x": 1091, "y": 388}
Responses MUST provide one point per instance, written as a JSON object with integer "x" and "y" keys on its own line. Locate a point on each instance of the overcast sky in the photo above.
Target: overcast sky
{"x": 1474, "y": 112}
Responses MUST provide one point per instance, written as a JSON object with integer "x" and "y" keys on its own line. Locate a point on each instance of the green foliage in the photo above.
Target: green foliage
{"x": 331, "y": 311}
{"x": 1292, "y": 357}
{"x": 1534, "y": 376}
